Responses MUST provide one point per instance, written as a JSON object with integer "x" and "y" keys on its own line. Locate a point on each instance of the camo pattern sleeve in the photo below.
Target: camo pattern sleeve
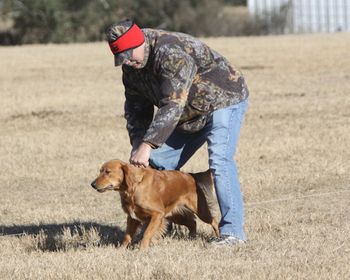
{"x": 138, "y": 112}
{"x": 177, "y": 70}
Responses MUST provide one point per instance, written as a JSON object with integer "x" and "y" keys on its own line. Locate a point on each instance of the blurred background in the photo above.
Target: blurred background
{"x": 53, "y": 21}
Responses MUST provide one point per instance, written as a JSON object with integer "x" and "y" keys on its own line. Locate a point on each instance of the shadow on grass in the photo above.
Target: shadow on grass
{"x": 81, "y": 235}
{"x": 62, "y": 237}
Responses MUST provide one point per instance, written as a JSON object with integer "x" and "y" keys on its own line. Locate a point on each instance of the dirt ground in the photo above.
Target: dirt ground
{"x": 61, "y": 117}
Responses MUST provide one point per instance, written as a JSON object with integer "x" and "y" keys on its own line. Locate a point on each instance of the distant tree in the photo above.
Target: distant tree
{"x": 43, "y": 21}
{"x": 236, "y": 2}
{"x": 35, "y": 21}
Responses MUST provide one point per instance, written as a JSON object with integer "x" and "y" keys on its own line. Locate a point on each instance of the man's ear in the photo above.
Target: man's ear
{"x": 132, "y": 175}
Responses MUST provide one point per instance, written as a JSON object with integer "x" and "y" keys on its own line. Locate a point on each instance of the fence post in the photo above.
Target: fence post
{"x": 337, "y": 26}
{"x": 345, "y": 14}
{"x": 319, "y": 17}
{"x": 289, "y": 28}
{"x": 327, "y": 17}
{"x": 256, "y": 12}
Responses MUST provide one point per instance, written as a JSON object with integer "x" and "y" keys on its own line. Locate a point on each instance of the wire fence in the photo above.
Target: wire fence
{"x": 302, "y": 16}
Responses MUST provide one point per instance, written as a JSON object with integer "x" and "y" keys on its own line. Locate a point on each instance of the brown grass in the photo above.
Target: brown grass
{"x": 61, "y": 117}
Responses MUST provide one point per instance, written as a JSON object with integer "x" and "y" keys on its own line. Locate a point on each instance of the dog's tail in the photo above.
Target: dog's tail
{"x": 205, "y": 188}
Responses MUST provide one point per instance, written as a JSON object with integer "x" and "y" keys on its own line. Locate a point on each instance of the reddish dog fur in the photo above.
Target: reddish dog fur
{"x": 149, "y": 195}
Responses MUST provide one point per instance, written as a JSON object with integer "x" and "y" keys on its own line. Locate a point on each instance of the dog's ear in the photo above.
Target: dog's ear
{"x": 132, "y": 175}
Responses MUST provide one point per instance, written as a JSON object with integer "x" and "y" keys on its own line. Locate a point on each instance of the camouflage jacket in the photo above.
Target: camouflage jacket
{"x": 185, "y": 79}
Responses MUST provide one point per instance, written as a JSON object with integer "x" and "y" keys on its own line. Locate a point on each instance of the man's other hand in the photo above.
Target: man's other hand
{"x": 140, "y": 156}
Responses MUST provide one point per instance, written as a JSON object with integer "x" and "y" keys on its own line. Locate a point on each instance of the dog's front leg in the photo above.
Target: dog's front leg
{"x": 131, "y": 227}
{"x": 153, "y": 226}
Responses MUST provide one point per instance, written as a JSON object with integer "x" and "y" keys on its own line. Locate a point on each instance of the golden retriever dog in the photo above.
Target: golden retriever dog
{"x": 151, "y": 196}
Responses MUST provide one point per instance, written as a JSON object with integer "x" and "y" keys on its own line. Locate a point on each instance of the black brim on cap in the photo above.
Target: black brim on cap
{"x": 120, "y": 58}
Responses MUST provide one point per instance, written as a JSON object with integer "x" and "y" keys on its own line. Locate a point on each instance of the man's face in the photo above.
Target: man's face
{"x": 137, "y": 57}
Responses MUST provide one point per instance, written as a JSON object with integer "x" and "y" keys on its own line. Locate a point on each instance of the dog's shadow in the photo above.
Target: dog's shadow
{"x": 80, "y": 235}
{"x": 65, "y": 236}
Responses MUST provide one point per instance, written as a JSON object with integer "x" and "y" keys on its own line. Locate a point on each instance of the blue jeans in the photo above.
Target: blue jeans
{"x": 221, "y": 133}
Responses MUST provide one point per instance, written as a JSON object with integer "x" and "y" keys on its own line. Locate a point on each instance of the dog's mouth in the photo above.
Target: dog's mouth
{"x": 107, "y": 188}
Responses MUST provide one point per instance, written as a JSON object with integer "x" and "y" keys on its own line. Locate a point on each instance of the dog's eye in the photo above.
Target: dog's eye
{"x": 107, "y": 172}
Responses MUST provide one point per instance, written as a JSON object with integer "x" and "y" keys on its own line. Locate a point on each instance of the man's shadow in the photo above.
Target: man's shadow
{"x": 58, "y": 237}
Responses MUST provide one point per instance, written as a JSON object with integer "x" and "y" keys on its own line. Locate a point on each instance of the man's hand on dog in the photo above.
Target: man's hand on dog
{"x": 140, "y": 156}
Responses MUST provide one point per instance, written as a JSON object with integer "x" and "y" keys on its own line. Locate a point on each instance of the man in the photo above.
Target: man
{"x": 200, "y": 98}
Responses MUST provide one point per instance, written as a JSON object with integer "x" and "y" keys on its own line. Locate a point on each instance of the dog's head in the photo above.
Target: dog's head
{"x": 117, "y": 175}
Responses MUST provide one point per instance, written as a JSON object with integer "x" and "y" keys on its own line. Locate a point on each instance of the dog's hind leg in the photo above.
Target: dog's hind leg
{"x": 205, "y": 203}
{"x": 206, "y": 216}
{"x": 205, "y": 213}
{"x": 152, "y": 228}
{"x": 215, "y": 226}
{"x": 131, "y": 227}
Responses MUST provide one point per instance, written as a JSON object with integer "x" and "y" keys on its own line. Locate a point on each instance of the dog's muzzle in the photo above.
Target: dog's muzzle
{"x": 109, "y": 187}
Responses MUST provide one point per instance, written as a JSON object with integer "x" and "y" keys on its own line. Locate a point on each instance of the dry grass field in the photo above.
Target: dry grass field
{"x": 62, "y": 116}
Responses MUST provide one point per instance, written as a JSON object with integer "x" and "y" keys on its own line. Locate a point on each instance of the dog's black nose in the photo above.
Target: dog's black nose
{"x": 93, "y": 184}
